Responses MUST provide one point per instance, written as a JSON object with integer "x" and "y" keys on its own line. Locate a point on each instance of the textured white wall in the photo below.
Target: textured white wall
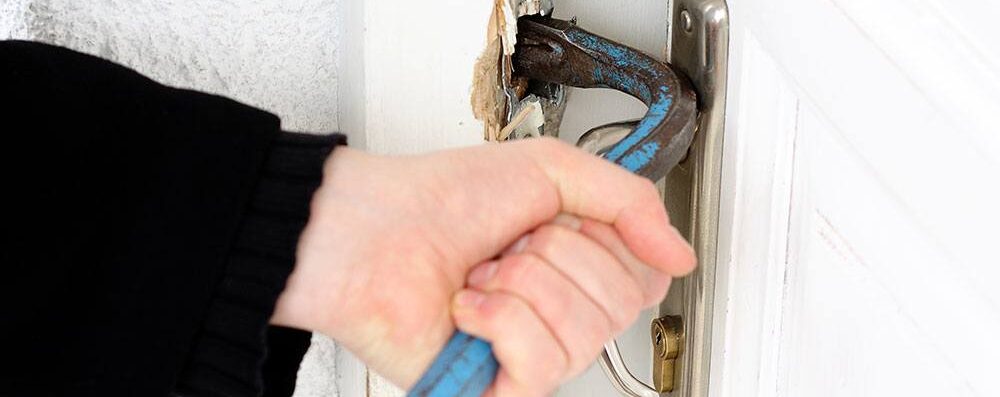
{"x": 279, "y": 55}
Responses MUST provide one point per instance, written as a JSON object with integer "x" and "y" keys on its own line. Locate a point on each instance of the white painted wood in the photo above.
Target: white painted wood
{"x": 411, "y": 65}
{"x": 859, "y": 210}
{"x": 760, "y": 192}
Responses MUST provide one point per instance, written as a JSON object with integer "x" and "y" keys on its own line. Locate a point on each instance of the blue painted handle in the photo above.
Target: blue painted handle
{"x": 465, "y": 368}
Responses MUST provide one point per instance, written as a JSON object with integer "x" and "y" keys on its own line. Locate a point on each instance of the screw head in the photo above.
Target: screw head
{"x": 686, "y": 22}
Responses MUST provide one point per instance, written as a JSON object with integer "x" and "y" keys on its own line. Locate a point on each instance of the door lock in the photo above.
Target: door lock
{"x": 667, "y": 334}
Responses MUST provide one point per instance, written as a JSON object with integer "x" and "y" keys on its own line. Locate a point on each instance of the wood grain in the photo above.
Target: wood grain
{"x": 885, "y": 286}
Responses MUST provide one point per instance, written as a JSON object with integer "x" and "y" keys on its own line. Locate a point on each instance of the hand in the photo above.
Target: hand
{"x": 385, "y": 265}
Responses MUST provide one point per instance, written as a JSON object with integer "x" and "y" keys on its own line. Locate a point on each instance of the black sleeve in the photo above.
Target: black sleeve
{"x": 149, "y": 232}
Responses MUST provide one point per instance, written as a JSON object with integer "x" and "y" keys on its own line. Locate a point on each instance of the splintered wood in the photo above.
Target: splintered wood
{"x": 489, "y": 104}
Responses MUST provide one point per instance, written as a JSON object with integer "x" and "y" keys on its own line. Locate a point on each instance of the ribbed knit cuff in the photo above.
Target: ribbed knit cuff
{"x": 227, "y": 358}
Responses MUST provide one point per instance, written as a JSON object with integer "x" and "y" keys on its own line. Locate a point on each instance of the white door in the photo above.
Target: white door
{"x": 861, "y": 197}
{"x": 860, "y": 176}
{"x": 858, "y": 233}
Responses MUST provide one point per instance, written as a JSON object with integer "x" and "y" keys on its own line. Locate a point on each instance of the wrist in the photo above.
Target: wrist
{"x": 293, "y": 309}
{"x": 312, "y": 298}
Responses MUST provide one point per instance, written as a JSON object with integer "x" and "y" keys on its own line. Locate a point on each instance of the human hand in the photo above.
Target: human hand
{"x": 388, "y": 262}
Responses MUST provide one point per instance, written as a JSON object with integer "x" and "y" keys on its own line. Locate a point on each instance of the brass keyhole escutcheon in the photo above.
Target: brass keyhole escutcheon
{"x": 667, "y": 333}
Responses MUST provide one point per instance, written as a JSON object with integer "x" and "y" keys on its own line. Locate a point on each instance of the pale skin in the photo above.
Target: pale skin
{"x": 543, "y": 250}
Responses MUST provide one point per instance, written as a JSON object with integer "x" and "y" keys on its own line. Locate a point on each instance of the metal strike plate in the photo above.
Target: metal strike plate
{"x": 700, "y": 49}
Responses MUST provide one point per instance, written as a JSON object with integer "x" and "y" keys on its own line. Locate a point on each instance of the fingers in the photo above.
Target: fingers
{"x": 506, "y": 386}
{"x": 566, "y": 289}
{"x": 580, "y": 326}
{"x": 654, "y": 282}
{"x": 595, "y": 188}
{"x": 533, "y": 363}
{"x": 578, "y": 290}
{"x": 592, "y": 269}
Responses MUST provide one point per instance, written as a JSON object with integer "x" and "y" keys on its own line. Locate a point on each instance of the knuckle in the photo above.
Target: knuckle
{"x": 551, "y": 374}
{"x": 690, "y": 260}
{"x": 622, "y": 319}
{"x": 627, "y": 310}
{"x": 600, "y": 333}
{"x": 549, "y": 143}
{"x": 649, "y": 192}
{"x": 489, "y": 313}
{"x": 595, "y": 333}
{"x": 560, "y": 317}
{"x": 657, "y": 286}
{"x": 515, "y": 270}
{"x": 497, "y": 309}
{"x": 510, "y": 314}
{"x": 504, "y": 303}
{"x": 554, "y": 151}
{"x": 548, "y": 238}
{"x": 633, "y": 298}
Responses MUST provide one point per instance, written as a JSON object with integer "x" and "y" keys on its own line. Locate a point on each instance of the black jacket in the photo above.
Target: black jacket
{"x": 149, "y": 231}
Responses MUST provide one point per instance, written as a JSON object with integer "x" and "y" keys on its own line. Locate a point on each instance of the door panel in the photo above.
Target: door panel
{"x": 865, "y": 312}
{"x": 859, "y": 202}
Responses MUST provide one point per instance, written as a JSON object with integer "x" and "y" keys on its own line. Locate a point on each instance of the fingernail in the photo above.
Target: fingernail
{"x": 568, "y": 221}
{"x": 518, "y": 247}
{"x": 469, "y": 298}
{"x": 482, "y": 274}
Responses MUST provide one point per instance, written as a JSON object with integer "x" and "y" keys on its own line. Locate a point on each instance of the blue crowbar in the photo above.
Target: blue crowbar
{"x": 556, "y": 51}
